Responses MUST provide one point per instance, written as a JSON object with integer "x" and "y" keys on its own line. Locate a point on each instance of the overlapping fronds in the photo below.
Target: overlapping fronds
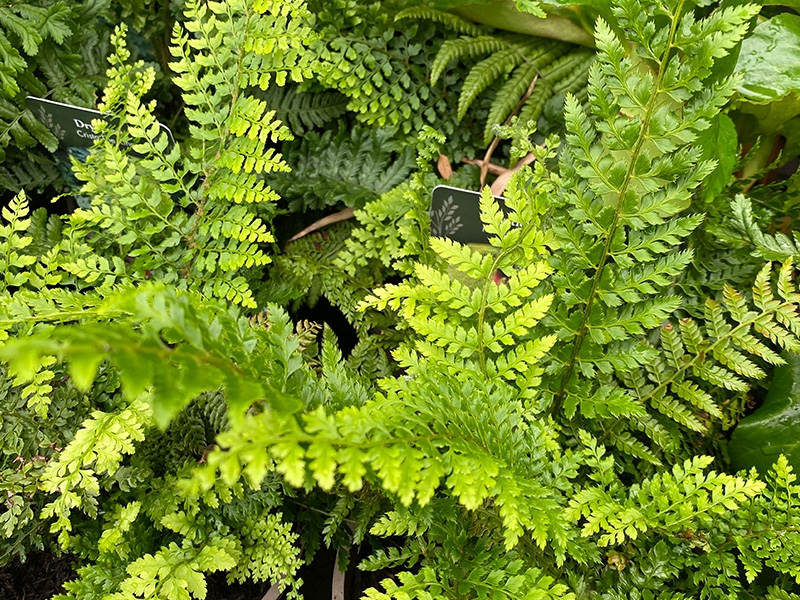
{"x": 347, "y": 168}
{"x": 628, "y": 171}
{"x": 303, "y": 111}
{"x": 477, "y": 321}
{"x": 770, "y": 247}
{"x": 533, "y": 70}
{"x": 47, "y": 49}
{"x": 381, "y": 61}
{"x": 187, "y": 215}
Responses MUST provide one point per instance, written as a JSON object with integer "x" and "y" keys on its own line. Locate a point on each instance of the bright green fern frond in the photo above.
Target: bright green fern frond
{"x": 472, "y": 312}
{"x": 14, "y": 259}
{"x": 651, "y": 506}
{"x": 100, "y": 444}
{"x": 156, "y": 576}
{"x": 172, "y": 213}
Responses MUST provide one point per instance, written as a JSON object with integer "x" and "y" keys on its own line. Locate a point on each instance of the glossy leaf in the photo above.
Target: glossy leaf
{"x": 774, "y": 428}
{"x": 769, "y": 64}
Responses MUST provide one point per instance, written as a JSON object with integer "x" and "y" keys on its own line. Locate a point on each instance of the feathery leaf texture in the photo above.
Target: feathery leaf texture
{"x": 347, "y": 168}
{"x": 449, "y": 20}
{"x": 628, "y": 171}
{"x": 47, "y": 49}
{"x": 481, "y": 454}
{"x": 187, "y": 215}
{"x": 303, "y": 111}
{"x": 557, "y": 67}
{"x": 769, "y": 247}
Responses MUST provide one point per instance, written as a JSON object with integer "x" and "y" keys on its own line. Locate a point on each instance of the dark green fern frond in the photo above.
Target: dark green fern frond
{"x": 45, "y": 231}
{"x": 449, "y": 20}
{"x": 566, "y": 75}
{"x": 303, "y": 111}
{"x": 482, "y": 75}
{"x": 28, "y": 170}
{"x": 54, "y": 50}
{"x": 770, "y": 247}
{"x": 558, "y": 67}
{"x": 464, "y": 48}
{"x": 349, "y": 167}
{"x": 509, "y": 96}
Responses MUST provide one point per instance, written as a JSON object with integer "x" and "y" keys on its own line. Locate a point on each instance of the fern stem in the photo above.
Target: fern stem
{"x": 224, "y": 132}
{"x": 700, "y": 356}
{"x": 559, "y": 397}
{"x": 484, "y": 295}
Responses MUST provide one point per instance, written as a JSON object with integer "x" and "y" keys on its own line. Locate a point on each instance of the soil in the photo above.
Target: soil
{"x": 39, "y": 578}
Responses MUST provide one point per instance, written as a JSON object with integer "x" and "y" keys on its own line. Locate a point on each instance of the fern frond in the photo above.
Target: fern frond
{"x": 565, "y": 75}
{"x": 485, "y": 72}
{"x": 469, "y": 316}
{"x": 14, "y": 259}
{"x": 464, "y": 48}
{"x": 449, "y": 20}
{"x": 703, "y": 497}
{"x": 101, "y": 444}
{"x": 156, "y": 576}
{"x": 508, "y": 96}
{"x": 345, "y": 167}
{"x": 724, "y": 351}
{"x": 174, "y": 211}
{"x": 304, "y": 110}
{"x": 769, "y": 247}
{"x": 630, "y": 170}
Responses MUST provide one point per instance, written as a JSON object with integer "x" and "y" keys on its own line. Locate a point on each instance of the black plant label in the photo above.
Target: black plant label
{"x": 71, "y": 124}
{"x": 456, "y": 214}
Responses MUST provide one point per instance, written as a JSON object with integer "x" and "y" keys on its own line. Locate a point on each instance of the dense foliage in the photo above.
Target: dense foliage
{"x": 544, "y": 416}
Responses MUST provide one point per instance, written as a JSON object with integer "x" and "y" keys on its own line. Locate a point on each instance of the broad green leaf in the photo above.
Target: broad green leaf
{"x": 774, "y": 428}
{"x": 769, "y": 65}
{"x": 503, "y": 14}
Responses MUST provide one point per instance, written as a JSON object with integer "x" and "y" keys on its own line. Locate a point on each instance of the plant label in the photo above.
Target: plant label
{"x": 456, "y": 214}
{"x": 71, "y": 124}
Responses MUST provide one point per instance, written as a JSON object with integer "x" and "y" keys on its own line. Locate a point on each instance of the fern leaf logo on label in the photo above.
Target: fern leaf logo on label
{"x": 444, "y": 221}
{"x": 55, "y": 128}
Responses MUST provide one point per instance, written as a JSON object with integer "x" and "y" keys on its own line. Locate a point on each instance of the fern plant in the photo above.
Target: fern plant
{"x": 48, "y": 49}
{"x": 304, "y": 110}
{"x": 552, "y": 428}
{"x": 533, "y": 69}
{"x": 343, "y": 167}
{"x": 159, "y": 535}
{"x": 383, "y": 67}
{"x": 189, "y": 216}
